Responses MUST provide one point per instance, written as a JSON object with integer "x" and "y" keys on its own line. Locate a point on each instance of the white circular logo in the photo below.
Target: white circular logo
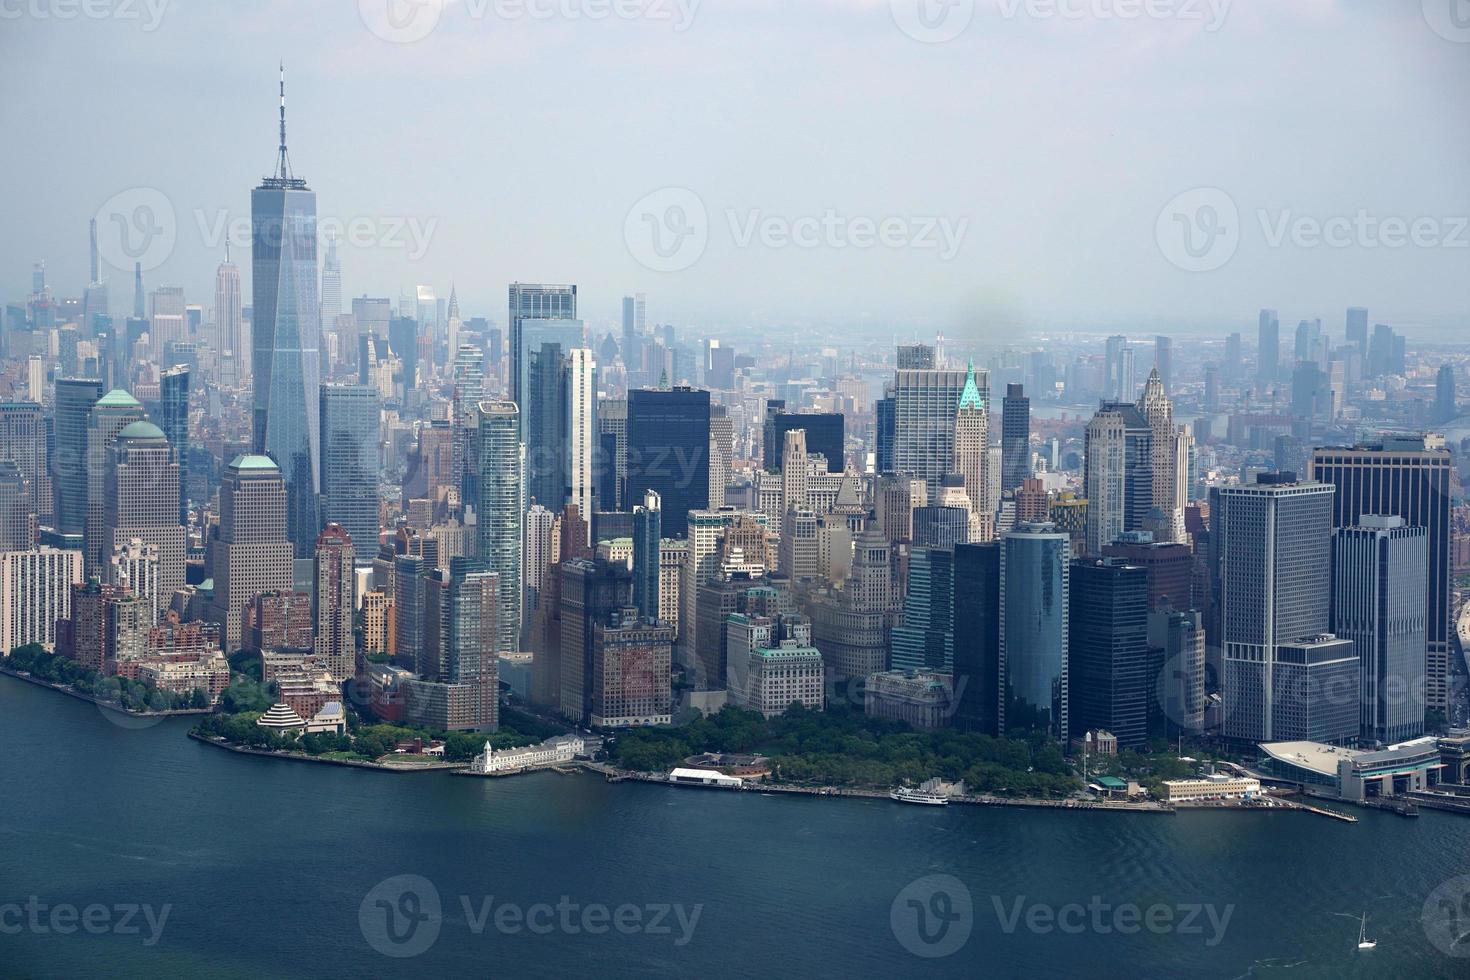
{"x": 401, "y": 21}
{"x": 932, "y": 21}
{"x": 1450, "y": 19}
{"x": 401, "y": 916}
{"x": 933, "y": 916}
{"x": 136, "y": 226}
{"x": 668, "y": 230}
{"x": 1199, "y": 230}
{"x": 1446, "y": 917}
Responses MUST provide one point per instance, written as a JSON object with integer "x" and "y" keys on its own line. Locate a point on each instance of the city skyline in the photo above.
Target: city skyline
{"x": 1032, "y": 259}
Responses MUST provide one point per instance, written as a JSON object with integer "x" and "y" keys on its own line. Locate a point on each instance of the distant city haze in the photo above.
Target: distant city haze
{"x": 855, "y": 172}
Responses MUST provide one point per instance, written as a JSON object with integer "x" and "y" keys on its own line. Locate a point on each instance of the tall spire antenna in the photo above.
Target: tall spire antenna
{"x": 283, "y": 163}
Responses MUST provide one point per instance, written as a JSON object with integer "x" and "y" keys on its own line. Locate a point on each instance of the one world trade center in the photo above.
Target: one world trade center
{"x": 286, "y": 330}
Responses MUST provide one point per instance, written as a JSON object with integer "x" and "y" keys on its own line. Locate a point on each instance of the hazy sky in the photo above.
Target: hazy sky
{"x": 797, "y": 160}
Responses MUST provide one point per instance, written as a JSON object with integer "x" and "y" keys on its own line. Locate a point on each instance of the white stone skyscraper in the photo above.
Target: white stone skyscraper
{"x": 1168, "y": 475}
{"x": 331, "y": 288}
{"x": 1118, "y": 475}
{"x": 582, "y": 432}
{"x": 233, "y": 345}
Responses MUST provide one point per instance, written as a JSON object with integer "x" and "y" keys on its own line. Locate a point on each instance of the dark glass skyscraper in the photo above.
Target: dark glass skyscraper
{"x": 1108, "y": 677}
{"x": 286, "y": 332}
{"x": 647, "y": 531}
{"x": 668, "y": 452}
{"x": 1015, "y": 438}
{"x": 174, "y": 420}
{"x": 977, "y": 637}
{"x": 349, "y": 477}
{"x": 536, "y": 302}
{"x": 74, "y": 400}
{"x": 824, "y": 435}
{"x": 545, "y": 416}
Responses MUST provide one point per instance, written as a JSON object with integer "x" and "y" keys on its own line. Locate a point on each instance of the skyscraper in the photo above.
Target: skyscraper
{"x": 972, "y": 457}
{"x": 977, "y": 672}
{"x": 496, "y": 477}
{"x": 536, "y": 302}
{"x": 1281, "y": 665}
{"x": 647, "y": 534}
{"x": 1408, "y": 478}
{"x": 349, "y": 454}
{"x": 335, "y": 558}
{"x": 925, "y": 403}
{"x": 74, "y": 400}
{"x": 668, "y": 452}
{"x": 1015, "y": 438}
{"x": 141, "y": 502}
{"x": 1167, "y": 496}
{"x": 111, "y": 414}
{"x": 23, "y": 442}
{"x": 286, "y": 332}
{"x": 1108, "y": 645}
{"x": 1164, "y": 361}
{"x": 1445, "y": 406}
{"x": 545, "y": 415}
{"x": 1035, "y": 567}
{"x": 331, "y": 288}
{"x": 18, "y": 531}
{"x": 1119, "y": 476}
{"x": 824, "y": 435}
{"x": 1357, "y": 328}
{"x": 249, "y": 552}
{"x": 173, "y": 391}
{"x": 1378, "y": 579}
{"x": 1268, "y": 347}
{"x": 234, "y": 364}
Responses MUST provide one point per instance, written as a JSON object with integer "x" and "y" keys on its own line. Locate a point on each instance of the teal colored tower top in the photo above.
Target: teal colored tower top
{"x": 970, "y": 397}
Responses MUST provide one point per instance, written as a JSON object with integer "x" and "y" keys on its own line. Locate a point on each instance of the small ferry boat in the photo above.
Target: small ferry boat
{"x": 906, "y": 795}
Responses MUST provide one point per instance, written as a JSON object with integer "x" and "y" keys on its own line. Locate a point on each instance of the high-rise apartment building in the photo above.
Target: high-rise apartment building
{"x": 496, "y": 477}
{"x": 335, "y": 558}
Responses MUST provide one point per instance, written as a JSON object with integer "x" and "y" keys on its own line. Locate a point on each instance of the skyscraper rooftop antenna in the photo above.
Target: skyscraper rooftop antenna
{"x": 283, "y": 162}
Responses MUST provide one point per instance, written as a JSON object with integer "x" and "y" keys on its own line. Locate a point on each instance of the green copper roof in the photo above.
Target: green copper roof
{"x": 117, "y": 398}
{"x": 248, "y": 461}
{"x": 970, "y": 397}
{"x": 141, "y": 430}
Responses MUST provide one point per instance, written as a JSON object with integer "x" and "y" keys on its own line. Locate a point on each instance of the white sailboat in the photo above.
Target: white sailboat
{"x": 1363, "y": 941}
